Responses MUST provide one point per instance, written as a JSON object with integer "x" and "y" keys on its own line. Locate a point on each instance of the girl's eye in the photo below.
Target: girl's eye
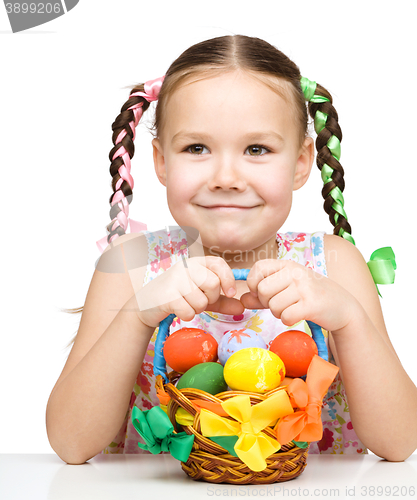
{"x": 257, "y": 150}
{"x": 197, "y": 149}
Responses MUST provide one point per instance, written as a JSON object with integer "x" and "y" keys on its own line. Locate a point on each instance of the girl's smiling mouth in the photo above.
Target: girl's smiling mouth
{"x": 228, "y": 206}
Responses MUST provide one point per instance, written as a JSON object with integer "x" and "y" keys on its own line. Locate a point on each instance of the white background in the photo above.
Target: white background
{"x": 62, "y": 85}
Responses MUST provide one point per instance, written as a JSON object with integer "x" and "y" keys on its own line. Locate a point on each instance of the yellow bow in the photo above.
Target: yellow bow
{"x": 253, "y": 445}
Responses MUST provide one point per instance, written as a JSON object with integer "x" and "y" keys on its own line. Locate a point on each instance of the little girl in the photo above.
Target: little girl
{"x": 231, "y": 145}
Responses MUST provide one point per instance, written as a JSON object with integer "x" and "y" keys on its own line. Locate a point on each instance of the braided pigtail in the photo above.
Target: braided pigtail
{"x": 329, "y": 137}
{"x": 124, "y": 133}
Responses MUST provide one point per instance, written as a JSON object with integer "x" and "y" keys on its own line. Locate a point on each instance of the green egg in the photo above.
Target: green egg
{"x": 207, "y": 377}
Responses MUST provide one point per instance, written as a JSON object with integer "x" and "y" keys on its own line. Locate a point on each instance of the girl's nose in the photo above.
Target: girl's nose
{"x": 226, "y": 175}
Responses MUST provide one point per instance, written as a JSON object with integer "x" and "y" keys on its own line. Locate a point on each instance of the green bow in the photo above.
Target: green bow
{"x": 157, "y": 431}
{"x": 382, "y": 266}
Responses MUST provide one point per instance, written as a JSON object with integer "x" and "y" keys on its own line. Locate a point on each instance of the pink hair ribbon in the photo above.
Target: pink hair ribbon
{"x": 135, "y": 227}
{"x": 152, "y": 89}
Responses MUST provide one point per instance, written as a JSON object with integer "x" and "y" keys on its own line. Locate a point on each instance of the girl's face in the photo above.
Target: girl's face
{"x": 231, "y": 140}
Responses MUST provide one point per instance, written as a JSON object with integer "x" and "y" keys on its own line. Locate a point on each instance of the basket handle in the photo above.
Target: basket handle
{"x": 163, "y": 332}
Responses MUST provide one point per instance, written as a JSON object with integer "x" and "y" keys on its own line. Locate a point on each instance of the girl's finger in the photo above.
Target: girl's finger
{"x": 264, "y": 269}
{"x": 183, "y": 309}
{"x": 283, "y": 300}
{"x": 293, "y": 314}
{"x": 210, "y": 287}
{"x": 226, "y": 305}
{"x": 224, "y": 273}
{"x": 251, "y": 302}
{"x": 205, "y": 273}
{"x": 196, "y": 302}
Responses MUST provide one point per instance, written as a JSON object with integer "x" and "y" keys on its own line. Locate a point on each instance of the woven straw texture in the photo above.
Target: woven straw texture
{"x": 208, "y": 461}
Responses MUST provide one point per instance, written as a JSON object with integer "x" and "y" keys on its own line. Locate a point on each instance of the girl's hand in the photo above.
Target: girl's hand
{"x": 189, "y": 287}
{"x": 294, "y": 293}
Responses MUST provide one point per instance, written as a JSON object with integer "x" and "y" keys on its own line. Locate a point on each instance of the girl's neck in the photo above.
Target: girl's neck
{"x": 244, "y": 260}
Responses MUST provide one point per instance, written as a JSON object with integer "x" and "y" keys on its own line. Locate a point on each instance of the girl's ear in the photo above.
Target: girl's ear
{"x": 159, "y": 161}
{"x": 304, "y": 163}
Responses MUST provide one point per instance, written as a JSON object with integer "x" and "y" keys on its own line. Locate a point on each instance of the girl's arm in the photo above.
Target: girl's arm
{"x": 88, "y": 404}
{"x": 382, "y": 397}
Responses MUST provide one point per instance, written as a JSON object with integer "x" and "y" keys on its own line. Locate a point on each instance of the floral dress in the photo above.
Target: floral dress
{"x": 165, "y": 248}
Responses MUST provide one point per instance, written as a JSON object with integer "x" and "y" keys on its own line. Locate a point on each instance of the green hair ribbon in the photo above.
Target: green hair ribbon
{"x": 382, "y": 263}
{"x": 157, "y": 431}
{"x": 309, "y": 88}
{"x": 382, "y": 266}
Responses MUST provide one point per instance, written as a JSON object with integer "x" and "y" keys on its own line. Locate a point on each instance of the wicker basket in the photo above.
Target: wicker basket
{"x": 208, "y": 461}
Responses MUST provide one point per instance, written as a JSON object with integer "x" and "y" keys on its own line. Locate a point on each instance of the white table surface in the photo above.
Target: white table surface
{"x": 130, "y": 477}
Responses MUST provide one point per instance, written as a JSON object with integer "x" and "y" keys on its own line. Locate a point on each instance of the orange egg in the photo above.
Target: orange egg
{"x": 188, "y": 347}
{"x": 296, "y": 349}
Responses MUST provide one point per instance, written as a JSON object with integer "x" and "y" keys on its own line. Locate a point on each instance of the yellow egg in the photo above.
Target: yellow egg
{"x": 254, "y": 370}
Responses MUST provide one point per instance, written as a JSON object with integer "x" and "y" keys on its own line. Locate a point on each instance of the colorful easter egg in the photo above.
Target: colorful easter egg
{"x": 254, "y": 370}
{"x": 188, "y": 347}
{"x": 235, "y": 340}
{"x": 296, "y": 349}
{"x": 207, "y": 377}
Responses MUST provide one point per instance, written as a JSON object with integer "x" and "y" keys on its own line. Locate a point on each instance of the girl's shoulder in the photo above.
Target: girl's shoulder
{"x": 344, "y": 258}
{"x": 347, "y": 266}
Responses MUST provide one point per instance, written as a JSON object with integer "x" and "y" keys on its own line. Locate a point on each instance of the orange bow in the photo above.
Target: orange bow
{"x": 305, "y": 424}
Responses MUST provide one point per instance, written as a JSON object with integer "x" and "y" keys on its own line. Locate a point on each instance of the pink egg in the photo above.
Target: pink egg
{"x": 234, "y": 340}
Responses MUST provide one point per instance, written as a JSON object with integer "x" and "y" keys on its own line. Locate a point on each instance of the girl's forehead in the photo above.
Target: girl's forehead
{"x": 232, "y": 83}
{"x": 235, "y": 98}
